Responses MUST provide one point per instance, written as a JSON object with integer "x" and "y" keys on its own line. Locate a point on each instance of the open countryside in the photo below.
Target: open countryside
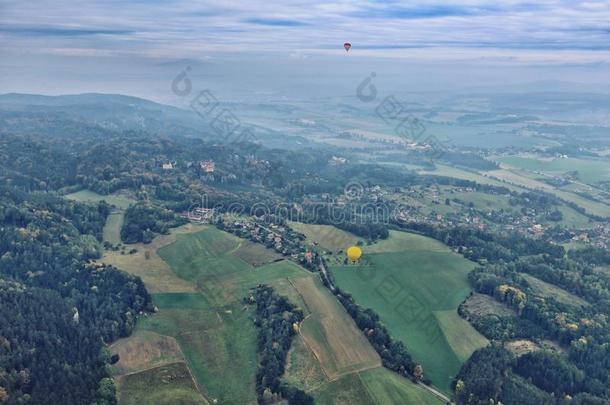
{"x": 415, "y": 285}
{"x": 213, "y": 329}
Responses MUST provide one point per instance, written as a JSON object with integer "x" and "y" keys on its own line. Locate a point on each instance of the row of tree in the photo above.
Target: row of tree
{"x": 277, "y": 321}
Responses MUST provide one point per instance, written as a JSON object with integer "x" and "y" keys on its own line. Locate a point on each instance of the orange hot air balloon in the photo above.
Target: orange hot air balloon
{"x": 347, "y": 45}
{"x": 354, "y": 253}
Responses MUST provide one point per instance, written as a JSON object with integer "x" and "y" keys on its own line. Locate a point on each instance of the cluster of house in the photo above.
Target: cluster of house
{"x": 600, "y": 236}
{"x": 207, "y": 166}
{"x": 282, "y": 239}
{"x": 199, "y": 215}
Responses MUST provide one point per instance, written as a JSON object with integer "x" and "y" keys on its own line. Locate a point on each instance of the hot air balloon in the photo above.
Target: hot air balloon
{"x": 354, "y": 253}
{"x": 347, "y": 45}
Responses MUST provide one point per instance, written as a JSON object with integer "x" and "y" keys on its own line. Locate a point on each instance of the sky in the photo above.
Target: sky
{"x": 295, "y": 48}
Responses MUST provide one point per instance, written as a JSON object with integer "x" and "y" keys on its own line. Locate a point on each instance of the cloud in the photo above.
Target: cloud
{"x": 423, "y": 11}
{"x": 58, "y": 31}
{"x": 183, "y": 29}
{"x": 275, "y": 22}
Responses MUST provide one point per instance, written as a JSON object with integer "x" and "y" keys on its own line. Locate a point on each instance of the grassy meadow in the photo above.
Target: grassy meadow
{"x": 326, "y": 236}
{"x": 120, "y": 201}
{"x": 375, "y": 386}
{"x": 547, "y": 290}
{"x": 415, "y": 284}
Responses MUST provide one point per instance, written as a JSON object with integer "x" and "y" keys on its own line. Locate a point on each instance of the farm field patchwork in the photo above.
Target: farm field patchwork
{"x": 199, "y": 281}
{"x": 408, "y": 288}
{"x": 215, "y": 332}
{"x": 590, "y": 171}
{"x": 521, "y": 181}
{"x": 331, "y": 359}
{"x": 519, "y": 178}
{"x": 213, "y": 341}
{"x": 147, "y": 358}
{"x": 146, "y": 263}
{"x": 144, "y": 350}
{"x": 169, "y": 384}
{"x": 524, "y": 179}
{"x": 331, "y": 334}
{"x": 212, "y": 326}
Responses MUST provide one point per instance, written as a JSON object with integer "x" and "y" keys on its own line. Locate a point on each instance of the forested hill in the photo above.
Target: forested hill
{"x": 92, "y": 112}
{"x": 57, "y": 309}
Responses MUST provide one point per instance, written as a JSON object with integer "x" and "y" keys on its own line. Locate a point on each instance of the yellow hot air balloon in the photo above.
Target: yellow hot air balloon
{"x": 354, "y": 253}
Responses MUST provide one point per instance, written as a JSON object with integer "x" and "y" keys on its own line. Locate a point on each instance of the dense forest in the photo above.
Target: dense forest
{"x": 144, "y": 221}
{"x": 58, "y": 308}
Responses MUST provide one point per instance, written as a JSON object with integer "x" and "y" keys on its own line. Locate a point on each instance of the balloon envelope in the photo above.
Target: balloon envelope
{"x": 347, "y": 45}
{"x": 354, "y": 253}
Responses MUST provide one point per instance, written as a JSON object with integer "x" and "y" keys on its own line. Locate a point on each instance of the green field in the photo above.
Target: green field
{"x": 112, "y": 228}
{"x": 449, "y": 171}
{"x": 590, "y": 171}
{"x": 118, "y": 200}
{"x": 303, "y": 370}
{"x": 213, "y": 340}
{"x": 146, "y": 263}
{"x": 415, "y": 284}
{"x": 458, "y": 333}
{"x": 376, "y": 386}
{"x": 482, "y": 200}
{"x": 326, "y": 236}
{"x": 256, "y": 254}
{"x": 169, "y": 384}
{"x": 208, "y": 260}
{"x": 547, "y": 290}
{"x": 404, "y": 241}
{"x": 330, "y": 333}
{"x": 574, "y": 219}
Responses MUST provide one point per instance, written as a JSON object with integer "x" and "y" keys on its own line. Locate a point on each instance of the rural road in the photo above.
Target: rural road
{"x": 324, "y": 273}
{"x": 435, "y": 392}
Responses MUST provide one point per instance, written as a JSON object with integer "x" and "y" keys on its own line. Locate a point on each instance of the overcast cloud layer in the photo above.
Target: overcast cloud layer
{"x": 62, "y": 33}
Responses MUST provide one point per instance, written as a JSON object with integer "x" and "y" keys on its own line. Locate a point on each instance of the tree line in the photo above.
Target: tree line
{"x": 277, "y": 321}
